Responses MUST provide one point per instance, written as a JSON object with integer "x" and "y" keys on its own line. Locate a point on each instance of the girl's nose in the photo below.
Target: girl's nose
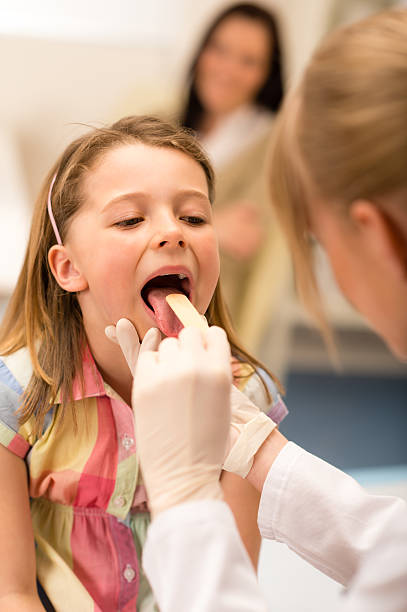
{"x": 169, "y": 236}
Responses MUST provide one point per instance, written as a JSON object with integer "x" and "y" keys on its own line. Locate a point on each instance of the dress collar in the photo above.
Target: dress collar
{"x": 93, "y": 383}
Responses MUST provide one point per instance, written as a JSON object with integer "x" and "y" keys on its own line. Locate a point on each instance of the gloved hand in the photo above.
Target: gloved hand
{"x": 181, "y": 402}
{"x": 249, "y": 429}
{"x": 124, "y": 333}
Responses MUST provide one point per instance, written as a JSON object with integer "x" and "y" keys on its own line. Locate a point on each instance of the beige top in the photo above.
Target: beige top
{"x": 242, "y": 179}
{"x": 248, "y": 285}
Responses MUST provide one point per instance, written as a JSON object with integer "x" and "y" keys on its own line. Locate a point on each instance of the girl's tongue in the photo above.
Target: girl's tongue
{"x": 166, "y": 319}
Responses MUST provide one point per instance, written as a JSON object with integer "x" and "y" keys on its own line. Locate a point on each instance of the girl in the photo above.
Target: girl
{"x": 234, "y": 91}
{"x": 129, "y": 208}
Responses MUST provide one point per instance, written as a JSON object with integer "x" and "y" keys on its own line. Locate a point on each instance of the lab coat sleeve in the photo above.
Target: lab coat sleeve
{"x": 195, "y": 560}
{"x": 327, "y": 518}
{"x": 381, "y": 582}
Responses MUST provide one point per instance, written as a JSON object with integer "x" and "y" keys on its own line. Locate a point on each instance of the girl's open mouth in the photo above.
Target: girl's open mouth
{"x": 154, "y": 293}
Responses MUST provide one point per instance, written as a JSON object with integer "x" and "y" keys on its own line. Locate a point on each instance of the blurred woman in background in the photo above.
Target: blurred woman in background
{"x": 235, "y": 88}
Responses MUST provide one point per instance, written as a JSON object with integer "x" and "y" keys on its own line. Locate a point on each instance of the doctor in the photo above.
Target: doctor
{"x": 339, "y": 171}
{"x": 193, "y": 557}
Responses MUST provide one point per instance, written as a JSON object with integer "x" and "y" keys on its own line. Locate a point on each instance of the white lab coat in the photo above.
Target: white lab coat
{"x": 196, "y": 562}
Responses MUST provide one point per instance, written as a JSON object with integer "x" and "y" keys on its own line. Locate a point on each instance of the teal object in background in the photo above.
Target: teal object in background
{"x": 350, "y": 421}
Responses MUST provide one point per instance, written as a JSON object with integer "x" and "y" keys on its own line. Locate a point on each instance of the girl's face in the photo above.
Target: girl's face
{"x": 233, "y": 66}
{"x": 146, "y": 218}
{"x": 368, "y": 267}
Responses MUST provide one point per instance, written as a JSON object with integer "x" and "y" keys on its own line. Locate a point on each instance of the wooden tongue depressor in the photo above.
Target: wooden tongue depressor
{"x": 185, "y": 311}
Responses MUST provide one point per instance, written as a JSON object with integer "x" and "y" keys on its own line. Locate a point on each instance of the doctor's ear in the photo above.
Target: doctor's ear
{"x": 64, "y": 270}
{"x": 381, "y": 234}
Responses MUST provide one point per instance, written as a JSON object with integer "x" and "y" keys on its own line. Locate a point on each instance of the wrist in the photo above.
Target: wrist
{"x": 193, "y": 485}
{"x": 265, "y": 457}
{"x": 251, "y": 435}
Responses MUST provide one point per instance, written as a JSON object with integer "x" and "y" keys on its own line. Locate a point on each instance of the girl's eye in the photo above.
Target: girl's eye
{"x": 129, "y": 222}
{"x": 193, "y": 220}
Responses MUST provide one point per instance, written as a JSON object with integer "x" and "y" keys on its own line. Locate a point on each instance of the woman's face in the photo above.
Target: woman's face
{"x": 234, "y": 64}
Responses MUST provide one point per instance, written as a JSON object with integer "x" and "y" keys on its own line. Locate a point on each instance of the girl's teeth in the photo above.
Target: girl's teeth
{"x": 181, "y": 276}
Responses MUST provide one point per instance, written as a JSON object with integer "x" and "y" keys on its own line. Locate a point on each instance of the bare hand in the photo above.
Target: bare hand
{"x": 240, "y": 230}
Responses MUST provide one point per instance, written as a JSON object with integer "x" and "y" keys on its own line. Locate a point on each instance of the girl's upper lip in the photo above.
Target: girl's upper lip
{"x": 171, "y": 270}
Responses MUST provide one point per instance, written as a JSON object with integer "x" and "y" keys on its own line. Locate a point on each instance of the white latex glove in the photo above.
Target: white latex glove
{"x": 124, "y": 333}
{"x": 181, "y": 402}
{"x": 249, "y": 429}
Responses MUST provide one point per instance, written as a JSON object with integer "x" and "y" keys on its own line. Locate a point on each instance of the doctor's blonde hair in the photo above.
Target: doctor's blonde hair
{"x": 342, "y": 135}
{"x": 46, "y": 319}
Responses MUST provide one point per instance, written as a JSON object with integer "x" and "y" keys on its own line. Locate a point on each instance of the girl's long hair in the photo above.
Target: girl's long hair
{"x": 48, "y": 320}
{"x": 270, "y": 94}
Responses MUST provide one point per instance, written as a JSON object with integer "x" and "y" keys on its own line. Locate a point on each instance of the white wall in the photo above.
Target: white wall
{"x": 91, "y": 61}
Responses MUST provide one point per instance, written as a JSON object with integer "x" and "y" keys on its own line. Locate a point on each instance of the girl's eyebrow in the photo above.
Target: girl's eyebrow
{"x": 135, "y": 195}
{"x": 181, "y": 194}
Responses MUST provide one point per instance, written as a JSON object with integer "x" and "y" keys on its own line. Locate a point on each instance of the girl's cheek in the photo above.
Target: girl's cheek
{"x": 212, "y": 243}
{"x": 211, "y": 256}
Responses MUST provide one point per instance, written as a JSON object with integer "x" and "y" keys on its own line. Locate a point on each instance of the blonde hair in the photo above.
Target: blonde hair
{"x": 46, "y": 319}
{"x": 342, "y": 135}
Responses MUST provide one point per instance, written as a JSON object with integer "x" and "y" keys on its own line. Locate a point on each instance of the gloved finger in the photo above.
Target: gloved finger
{"x": 128, "y": 340}
{"x": 168, "y": 348}
{"x": 146, "y": 363}
{"x": 193, "y": 340}
{"x": 151, "y": 340}
{"x": 218, "y": 348}
{"x": 110, "y": 332}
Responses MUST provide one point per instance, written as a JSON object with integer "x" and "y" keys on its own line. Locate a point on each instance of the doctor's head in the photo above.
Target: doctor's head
{"x": 339, "y": 171}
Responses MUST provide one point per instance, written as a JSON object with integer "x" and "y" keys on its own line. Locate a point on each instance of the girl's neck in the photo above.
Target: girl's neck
{"x": 110, "y": 363}
{"x": 119, "y": 383}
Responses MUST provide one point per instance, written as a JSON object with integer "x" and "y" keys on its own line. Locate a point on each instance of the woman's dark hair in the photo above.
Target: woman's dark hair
{"x": 270, "y": 94}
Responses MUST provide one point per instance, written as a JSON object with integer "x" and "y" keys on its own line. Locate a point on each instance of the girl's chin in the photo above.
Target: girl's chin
{"x": 143, "y": 324}
{"x": 143, "y": 333}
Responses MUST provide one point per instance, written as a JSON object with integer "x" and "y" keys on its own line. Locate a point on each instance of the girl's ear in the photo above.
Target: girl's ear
{"x": 64, "y": 270}
{"x": 381, "y": 235}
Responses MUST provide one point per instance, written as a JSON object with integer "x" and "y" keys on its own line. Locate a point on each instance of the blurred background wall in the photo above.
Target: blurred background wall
{"x": 70, "y": 62}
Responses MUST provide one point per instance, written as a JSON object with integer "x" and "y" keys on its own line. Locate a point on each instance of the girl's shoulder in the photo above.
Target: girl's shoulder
{"x": 16, "y": 369}
{"x": 253, "y": 384}
{"x": 15, "y": 373}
